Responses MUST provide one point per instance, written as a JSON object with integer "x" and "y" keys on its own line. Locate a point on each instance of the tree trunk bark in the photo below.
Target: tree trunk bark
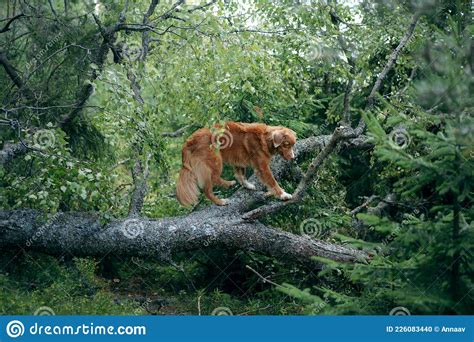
{"x": 82, "y": 234}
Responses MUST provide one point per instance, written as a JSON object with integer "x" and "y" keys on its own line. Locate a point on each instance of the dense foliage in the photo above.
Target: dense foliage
{"x": 278, "y": 62}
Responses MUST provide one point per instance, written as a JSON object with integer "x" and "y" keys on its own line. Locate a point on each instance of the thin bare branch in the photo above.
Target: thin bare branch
{"x": 176, "y": 133}
{"x": 145, "y": 34}
{"x": 265, "y": 280}
{"x": 15, "y": 76}
{"x": 172, "y": 10}
{"x": 7, "y": 25}
{"x": 392, "y": 59}
{"x": 364, "y": 205}
{"x": 201, "y": 7}
{"x": 140, "y": 176}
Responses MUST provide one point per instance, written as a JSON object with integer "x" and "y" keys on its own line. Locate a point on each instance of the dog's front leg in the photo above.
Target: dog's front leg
{"x": 266, "y": 176}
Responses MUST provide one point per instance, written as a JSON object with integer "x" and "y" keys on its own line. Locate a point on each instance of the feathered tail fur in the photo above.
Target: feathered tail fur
{"x": 192, "y": 176}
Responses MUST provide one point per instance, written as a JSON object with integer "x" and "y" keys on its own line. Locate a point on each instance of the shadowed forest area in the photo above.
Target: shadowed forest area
{"x": 98, "y": 97}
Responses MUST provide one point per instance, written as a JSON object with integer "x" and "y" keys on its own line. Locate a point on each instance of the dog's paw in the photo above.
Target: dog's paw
{"x": 223, "y": 202}
{"x": 285, "y": 196}
{"x": 232, "y": 183}
{"x": 249, "y": 185}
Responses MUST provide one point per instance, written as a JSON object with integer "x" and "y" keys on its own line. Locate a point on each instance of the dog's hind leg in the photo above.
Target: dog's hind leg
{"x": 216, "y": 174}
{"x": 239, "y": 173}
{"x": 217, "y": 171}
{"x": 207, "y": 189}
{"x": 225, "y": 183}
{"x": 214, "y": 163}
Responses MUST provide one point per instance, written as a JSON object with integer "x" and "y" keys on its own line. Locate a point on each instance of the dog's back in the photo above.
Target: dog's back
{"x": 247, "y": 143}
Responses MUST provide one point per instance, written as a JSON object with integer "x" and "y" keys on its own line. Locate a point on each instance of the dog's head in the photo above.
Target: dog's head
{"x": 283, "y": 140}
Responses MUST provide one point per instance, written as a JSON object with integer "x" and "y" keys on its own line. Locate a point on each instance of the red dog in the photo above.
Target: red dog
{"x": 238, "y": 144}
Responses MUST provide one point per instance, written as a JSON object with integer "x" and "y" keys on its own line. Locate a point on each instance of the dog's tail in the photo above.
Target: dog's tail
{"x": 187, "y": 187}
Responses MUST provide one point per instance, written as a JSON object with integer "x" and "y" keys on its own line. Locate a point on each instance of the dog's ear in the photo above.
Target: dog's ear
{"x": 277, "y": 138}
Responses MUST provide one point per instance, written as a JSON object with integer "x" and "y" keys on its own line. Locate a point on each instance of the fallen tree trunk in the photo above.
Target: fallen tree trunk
{"x": 82, "y": 234}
